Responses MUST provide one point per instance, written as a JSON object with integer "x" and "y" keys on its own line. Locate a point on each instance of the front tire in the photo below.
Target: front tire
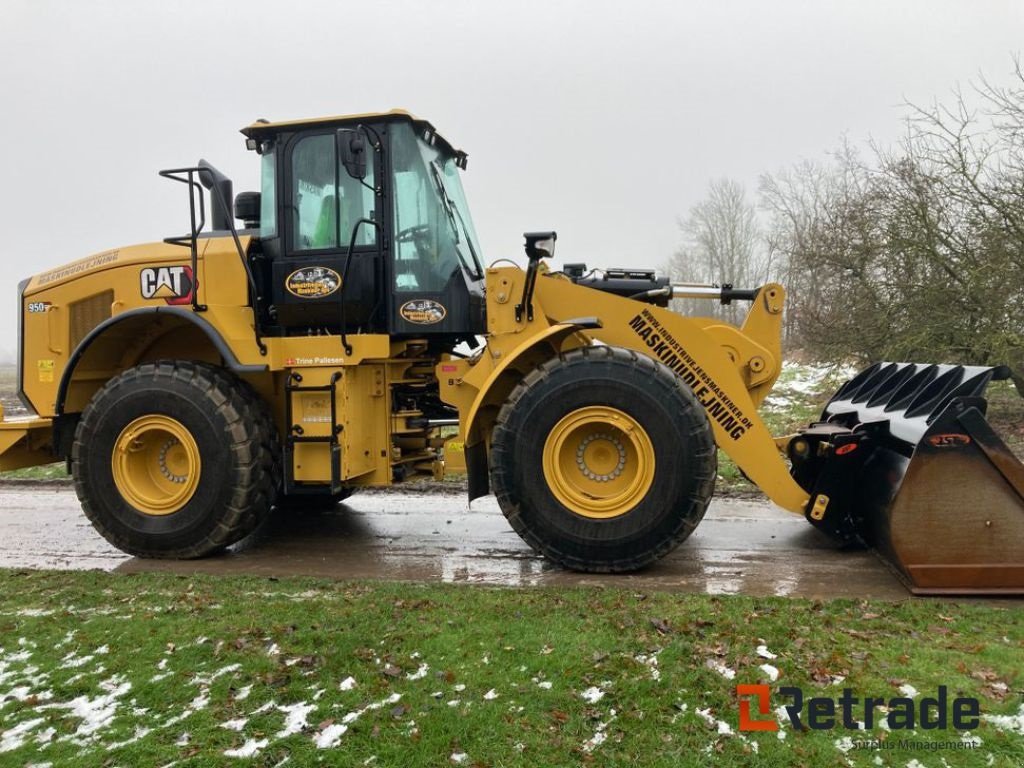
{"x": 603, "y": 460}
{"x": 174, "y": 460}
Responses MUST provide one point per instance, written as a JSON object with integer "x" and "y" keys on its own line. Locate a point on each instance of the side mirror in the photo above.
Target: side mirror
{"x": 351, "y": 146}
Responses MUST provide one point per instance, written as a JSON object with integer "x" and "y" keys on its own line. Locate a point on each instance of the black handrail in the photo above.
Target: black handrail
{"x": 190, "y": 241}
{"x": 344, "y": 275}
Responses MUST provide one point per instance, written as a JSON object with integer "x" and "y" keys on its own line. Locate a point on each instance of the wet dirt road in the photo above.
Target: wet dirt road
{"x": 741, "y": 546}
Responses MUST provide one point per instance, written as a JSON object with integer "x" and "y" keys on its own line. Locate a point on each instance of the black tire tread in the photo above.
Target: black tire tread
{"x": 252, "y": 438}
{"x": 503, "y": 437}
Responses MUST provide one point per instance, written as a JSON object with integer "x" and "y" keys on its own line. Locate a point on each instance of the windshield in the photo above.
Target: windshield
{"x": 434, "y": 233}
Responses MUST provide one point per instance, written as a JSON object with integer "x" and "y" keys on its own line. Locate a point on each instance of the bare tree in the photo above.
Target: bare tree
{"x": 917, "y": 252}
{"x": 722, "y": 243}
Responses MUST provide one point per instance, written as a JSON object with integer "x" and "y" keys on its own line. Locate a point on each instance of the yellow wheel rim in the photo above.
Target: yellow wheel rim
{"x": 598, "y": 462}
{"x": 156, "y": 465}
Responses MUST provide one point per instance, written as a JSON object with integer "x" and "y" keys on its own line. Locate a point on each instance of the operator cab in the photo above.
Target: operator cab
{"x": 362, "y": 226}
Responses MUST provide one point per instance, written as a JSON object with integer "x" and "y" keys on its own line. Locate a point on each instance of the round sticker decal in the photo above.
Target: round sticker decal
{"x": 423, "y": 311}
{"x": 312, "y": 282}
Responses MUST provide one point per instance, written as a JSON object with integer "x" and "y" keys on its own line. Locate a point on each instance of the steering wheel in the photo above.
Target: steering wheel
{"x": 412, "y": 234}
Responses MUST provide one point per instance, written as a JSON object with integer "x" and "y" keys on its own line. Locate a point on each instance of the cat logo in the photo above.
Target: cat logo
{"x": 172, "y": 284}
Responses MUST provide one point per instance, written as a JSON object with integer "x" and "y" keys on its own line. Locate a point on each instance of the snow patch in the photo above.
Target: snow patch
{"x": 251, "y": 748}
{"x": 651, "y": 661}
{"x": 1012, "y": 723}
{"x": 600, "y": 734}
{"x": 74, "y": 661}
{"x": 772, "y": 672}
{"x": 295, "y": 719}
{"x": 208, "y": 679}
{"x": 95, "y": 713}
{"x": 721, "y": 669}
{"x": 202, "y": 701}
{"x": 140, "y": 733}
{"x": 419, "y": 674}
{"x": 14, "y": 737}
{"x": 592, "y": 695}
{"x": 845, "y": 744}
{"x": 764, "y": 653}
{"x": 347, "y": 684}
{"x": 330, "y": 736}
{"x": 723, "y": 728}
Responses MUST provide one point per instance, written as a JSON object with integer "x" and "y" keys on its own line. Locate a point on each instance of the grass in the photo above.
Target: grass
{"x": 165, "y": 663}
{"x": 44, "y": 473}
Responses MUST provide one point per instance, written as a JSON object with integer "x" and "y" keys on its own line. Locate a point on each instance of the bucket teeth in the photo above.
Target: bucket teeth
{"x": 909, "y": 465}
{"x": 909, "y": 396}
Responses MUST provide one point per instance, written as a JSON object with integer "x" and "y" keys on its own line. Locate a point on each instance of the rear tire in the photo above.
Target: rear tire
{"x": 175, "y": 460}
{"x": 603, "y": 460}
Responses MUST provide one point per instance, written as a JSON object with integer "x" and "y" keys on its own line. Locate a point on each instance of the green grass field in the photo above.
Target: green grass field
{"x": 149, "y": 670}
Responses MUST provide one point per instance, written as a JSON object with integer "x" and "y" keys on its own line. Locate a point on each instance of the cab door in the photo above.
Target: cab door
{"x": 320, "y": 205}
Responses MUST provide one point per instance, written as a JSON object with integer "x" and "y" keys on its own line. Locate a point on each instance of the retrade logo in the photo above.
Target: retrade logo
{"x": 853, "y": 713}
{"x": 763, "y": 696}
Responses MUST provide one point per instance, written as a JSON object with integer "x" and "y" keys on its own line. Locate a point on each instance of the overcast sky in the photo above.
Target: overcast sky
{"x": 604, "y": 121}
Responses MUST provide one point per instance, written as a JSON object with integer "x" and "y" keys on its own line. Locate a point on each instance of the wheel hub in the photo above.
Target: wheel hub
{"x": 173, "y": 454}
{"x": 598, "y": 462}
{"x": 599, "y": 451}
{"x": 156, "y": 464}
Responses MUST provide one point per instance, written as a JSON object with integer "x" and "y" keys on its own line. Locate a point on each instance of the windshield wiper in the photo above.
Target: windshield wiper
{"x": 446, "y": 202}
{"x": 453, "y": 211}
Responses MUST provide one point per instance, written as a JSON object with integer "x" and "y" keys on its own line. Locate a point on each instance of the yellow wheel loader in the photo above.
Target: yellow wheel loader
{"x": 348, "y": 334}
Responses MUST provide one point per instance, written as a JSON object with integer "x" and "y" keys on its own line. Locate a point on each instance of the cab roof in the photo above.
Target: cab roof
{"x": 263, "y": 128}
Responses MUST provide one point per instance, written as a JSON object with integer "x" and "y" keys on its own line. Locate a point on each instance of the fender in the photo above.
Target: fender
{"x": 476, "y": 449}
{"x": 230, "y": 361}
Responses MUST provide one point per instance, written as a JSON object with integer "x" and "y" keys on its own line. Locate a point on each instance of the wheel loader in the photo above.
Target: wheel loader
{"x": 340, "y": 329}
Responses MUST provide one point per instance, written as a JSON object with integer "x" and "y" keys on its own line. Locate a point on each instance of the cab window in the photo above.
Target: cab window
{"x": 268, "y": 197}
{"x": 327, "y": 202}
